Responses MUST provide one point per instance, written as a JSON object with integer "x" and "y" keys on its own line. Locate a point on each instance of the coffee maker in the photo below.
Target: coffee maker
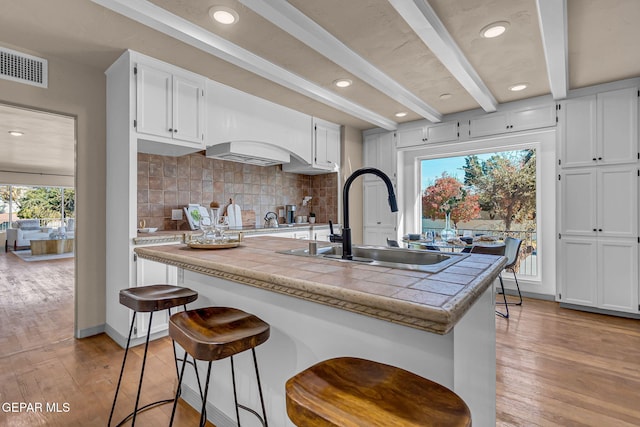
{"x": 290, "y": 214}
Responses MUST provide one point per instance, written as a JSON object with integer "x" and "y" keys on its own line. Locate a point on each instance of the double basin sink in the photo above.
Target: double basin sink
{"x": 405, "y": 259}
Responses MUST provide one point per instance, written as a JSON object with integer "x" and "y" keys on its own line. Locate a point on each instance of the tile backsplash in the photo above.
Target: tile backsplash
{"x": 166, "y": 183}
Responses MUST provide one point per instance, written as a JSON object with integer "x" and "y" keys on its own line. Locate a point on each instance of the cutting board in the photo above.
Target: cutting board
{"x": 249, "y": 218}
{"x": 234, "y": 215}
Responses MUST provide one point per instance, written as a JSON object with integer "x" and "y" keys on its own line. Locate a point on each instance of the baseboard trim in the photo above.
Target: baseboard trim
{"x": 600, "y": 311}
{"x": 121, "y": 340}
{"x": 89, "y": 332}
{"x": 216, "y": 416}
{"x": 532, "y": 295}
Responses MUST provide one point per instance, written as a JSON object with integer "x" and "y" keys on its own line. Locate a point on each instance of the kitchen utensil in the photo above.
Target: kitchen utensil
{"x": 271, "y": 220}
{"x": 234, "y": 214}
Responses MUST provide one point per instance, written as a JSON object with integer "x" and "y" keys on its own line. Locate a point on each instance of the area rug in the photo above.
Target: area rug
{"x": 25, "y": 255}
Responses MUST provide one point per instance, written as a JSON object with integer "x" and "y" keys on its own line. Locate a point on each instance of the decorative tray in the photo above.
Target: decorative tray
{"x": 225, "y": 245}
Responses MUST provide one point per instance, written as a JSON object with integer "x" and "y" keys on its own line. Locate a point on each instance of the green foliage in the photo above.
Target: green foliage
{"x": 44, "y": 202}
{"x": 505, "y": 184}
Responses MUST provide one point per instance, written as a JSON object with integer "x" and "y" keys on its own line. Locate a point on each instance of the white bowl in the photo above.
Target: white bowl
{"x": 148, "y": 230}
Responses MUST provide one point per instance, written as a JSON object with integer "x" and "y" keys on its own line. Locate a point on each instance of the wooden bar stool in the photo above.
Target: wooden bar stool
{"x": 215, "y": 333}
{"x": 351, "y": 392}
{"x": 149, "y": 299}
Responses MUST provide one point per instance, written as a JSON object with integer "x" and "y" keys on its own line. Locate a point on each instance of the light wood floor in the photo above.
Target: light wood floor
{"x": 556, "y": 367}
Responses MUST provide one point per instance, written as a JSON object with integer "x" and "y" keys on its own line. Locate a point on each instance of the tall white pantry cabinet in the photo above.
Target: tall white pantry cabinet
{"x": 598, "y": 175}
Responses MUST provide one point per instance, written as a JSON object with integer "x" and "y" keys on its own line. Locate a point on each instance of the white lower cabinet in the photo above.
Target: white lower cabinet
{"x": 153, "y": 273}
{"x": 600, "y": 273}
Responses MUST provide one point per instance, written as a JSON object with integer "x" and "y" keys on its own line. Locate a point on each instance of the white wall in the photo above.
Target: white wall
{"x": 78, "y": 91}
{"x": 544, "y": 142}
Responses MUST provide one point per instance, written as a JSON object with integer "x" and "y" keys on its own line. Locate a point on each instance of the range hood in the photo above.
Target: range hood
{"x": 250, "y": 152}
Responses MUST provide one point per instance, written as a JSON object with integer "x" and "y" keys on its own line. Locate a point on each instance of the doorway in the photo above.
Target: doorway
{"x": 37, "y": 196}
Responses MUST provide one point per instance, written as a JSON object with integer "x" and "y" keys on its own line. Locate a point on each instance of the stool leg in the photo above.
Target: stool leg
{"x": 203, "y": 412}
{"x": 504, "y": 296}
{"x": 124, "y": 360}
{"x": 235, "y": 394}
{"x": 144, "y": 362}
{"x": 255, "y": 364}
{"x": 175, "y": 401}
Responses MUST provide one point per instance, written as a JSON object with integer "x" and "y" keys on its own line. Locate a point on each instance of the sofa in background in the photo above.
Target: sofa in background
{"x": 24, "y": 230}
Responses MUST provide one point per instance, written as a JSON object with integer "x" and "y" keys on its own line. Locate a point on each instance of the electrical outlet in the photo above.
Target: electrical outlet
{"x": 176, "y": 214}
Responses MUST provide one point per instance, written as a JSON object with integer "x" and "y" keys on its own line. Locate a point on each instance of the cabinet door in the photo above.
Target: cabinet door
{"x": 578, "y": 202}
{"x": 578, "y": 272}
{"x": 533, "y": 118}
{"x": 380, "y": 152}
{"x": 442, "y": 132}
{"x": 154, "y": 101}
{"x": 188, "y": 110}
{"x": 410, "y": 137}
{"x": 617, "y": 214}
{"x": 377, "y": 236}
{"x": 377, "y": 212}
{"x": 618, "y": 274}
{"x": 618, "y": 126}
{"x": 577, "y": 132}
{"x": 150, "y": 273}
{"x": 327, "y": 145}
{"x": 490, "y": 124}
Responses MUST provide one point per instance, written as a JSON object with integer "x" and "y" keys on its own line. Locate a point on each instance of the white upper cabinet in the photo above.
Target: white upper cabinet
{"x": 327, "y": 144}
{"x": 599, "y": 129}
{"x": 169, "y": 104}
{"x": 513, "y": 121}
{"x": 430, "y": 134}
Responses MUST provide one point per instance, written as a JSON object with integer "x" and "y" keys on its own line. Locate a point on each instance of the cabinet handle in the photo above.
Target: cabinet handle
{"x": 378, "y": 222}
{"x": 595, "y": 229}
{"x": 599, "y": 158}
{"x": 594, "y": 159}
{"x": 171, "y": 130}
{"x": 599, "y": 229}
{"x": 175, "y": 131}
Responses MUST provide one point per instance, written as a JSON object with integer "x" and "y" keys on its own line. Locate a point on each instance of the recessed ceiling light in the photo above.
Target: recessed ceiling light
{"x": 401, "y": 114}
{"x": 223, "y": 15}
{"x": 445, "y": 96}
{"x": 518, "y": 87}
{"x": 15, "y": 133}
{"x": 343, "y": 82}
{"x": 494, "y": 29}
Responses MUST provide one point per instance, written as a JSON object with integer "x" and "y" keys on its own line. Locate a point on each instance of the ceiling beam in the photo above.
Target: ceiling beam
{"x": 552, "y": 15}
{"x": 426, "y": 24}
{"x": 167, "y": 23}
{"x": 282, "y": 14}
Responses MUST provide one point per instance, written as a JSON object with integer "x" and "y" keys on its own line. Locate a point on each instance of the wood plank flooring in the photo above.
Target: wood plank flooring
{"x": 560, "y": 367}
{"x": 555, "y": 367}
{"x": 41, "y": 362}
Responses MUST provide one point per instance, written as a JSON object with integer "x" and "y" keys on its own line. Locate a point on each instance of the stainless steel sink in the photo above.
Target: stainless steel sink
{"x": 406, "y": 259}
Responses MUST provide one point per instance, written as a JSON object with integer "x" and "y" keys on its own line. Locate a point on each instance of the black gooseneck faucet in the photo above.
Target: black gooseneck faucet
{"x": 346, "y": 232}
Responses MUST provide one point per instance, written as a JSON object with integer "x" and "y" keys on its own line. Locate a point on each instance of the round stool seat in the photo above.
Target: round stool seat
{"x": 350, "y": 392}
{"x": 156, "y": 297}
{"x": 214, "y": 333}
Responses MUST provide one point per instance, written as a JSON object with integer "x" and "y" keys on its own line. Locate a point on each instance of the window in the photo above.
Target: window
{"x": 484, "y": 194}
{"x": 53, "y": 206}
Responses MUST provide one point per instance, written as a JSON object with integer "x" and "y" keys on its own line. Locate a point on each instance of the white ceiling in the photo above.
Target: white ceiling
{"x": 402, "y": 55}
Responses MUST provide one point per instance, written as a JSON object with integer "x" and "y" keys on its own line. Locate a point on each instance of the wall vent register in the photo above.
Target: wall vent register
{"x": 23, "y": 68}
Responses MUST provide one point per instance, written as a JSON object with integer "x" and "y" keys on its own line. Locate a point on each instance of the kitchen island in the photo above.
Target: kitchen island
{"x": 438, "y": 325}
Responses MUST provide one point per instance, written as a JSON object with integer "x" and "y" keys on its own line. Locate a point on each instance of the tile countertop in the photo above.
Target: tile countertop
{"x": 169, "y": 236}
{"x": 430, "y": 302}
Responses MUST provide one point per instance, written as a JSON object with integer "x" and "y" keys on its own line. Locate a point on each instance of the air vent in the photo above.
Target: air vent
{"x": 23, "y": 68}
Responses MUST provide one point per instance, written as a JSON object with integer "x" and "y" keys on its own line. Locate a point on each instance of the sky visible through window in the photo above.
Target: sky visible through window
{"x": 433, "y": 168}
